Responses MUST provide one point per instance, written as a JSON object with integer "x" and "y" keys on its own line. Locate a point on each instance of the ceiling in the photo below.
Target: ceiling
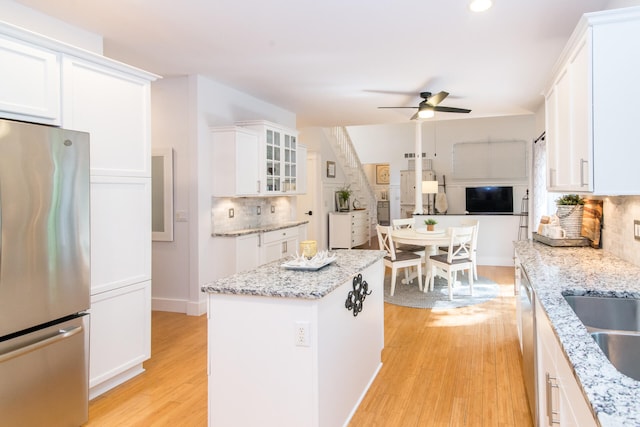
{"x": 333, "y": 62}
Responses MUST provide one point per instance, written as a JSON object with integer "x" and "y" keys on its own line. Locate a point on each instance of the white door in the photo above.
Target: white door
{"x": 309, "y": 203}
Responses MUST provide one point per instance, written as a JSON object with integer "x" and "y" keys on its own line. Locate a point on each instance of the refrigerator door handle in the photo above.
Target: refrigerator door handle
{"x": 61, "y": 335}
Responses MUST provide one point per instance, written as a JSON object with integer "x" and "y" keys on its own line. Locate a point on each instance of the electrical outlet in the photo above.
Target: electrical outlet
{"x": 636, "y": 229}
{"x": 258, "y": 210}
{"x": 231, "y": 212}
{"x": 301, "y": 334}
{"x": 273, "y": 208}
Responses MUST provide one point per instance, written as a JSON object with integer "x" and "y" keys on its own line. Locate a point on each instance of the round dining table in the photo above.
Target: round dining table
{"x": 431, "y": 240}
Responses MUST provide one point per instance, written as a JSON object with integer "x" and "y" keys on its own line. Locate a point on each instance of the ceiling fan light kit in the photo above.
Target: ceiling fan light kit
{"x": 426, "y": 112}
{"x": 429, "y": 105}
{"x": 480, "y": 5}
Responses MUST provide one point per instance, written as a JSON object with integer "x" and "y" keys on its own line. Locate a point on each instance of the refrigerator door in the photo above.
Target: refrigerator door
{"x": 44, "y": 376}
{"x": 44, "y": 224}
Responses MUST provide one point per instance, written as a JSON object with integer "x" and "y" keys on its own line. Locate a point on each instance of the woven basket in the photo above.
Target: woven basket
{"x": 571, "y": 219}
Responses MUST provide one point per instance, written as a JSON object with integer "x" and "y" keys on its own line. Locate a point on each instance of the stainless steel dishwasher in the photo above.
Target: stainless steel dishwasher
{"x": 527, "y": 313}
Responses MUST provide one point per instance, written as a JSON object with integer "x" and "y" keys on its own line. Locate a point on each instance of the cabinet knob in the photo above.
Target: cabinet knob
{"x": 309, "y": 213}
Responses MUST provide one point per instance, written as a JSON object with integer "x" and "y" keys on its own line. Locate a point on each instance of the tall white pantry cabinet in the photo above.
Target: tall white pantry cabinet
{"x": 47, "y": 82}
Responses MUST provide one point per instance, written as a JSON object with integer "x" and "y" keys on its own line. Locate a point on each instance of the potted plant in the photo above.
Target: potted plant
{"x": 430, "y": 223}
{"x": 570, "y": 208}
{"x": 344, "y": 194}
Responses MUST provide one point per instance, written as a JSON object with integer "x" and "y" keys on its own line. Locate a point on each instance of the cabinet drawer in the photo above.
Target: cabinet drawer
{"x": 283, "y": 234}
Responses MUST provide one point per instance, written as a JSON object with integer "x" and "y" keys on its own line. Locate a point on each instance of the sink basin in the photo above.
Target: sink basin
{"x": 622, "y": 314}
{"x": 622, "y": 350}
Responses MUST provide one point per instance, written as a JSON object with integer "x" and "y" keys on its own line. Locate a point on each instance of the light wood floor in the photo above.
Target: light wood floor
{"x": 458, "y": 367}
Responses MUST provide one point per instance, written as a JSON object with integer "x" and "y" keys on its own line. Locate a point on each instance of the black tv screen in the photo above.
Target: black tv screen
{"x": 489, "y": 200}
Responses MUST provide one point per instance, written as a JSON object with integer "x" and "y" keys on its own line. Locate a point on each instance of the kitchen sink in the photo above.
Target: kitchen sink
{"x": 622, "y": 314}
{"x": 614, "y": 324}
{"x": 622, "y": 350}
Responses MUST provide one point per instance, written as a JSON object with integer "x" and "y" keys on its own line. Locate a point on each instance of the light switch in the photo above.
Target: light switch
{"x": 181, "y": 216}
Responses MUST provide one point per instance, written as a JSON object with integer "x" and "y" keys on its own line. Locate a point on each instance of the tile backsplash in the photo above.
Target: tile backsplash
{"x": 617, "y": 234}
{"x": 248, "y": 212}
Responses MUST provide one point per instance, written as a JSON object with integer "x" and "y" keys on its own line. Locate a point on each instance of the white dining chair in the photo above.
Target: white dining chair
{"x": 474, "y": 244}
{"x": 457, "y": 258}
{"x": 395, "y": 259}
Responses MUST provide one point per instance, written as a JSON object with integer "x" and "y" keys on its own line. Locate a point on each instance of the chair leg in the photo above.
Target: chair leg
{"x": 471, "y": 281}
{"x": 475, "y": 270}
{"x": 450, "y": 284}
{"x": 420, "y": 276}
{"x": 393, "y": 279}
{"x": 432, "y": 278}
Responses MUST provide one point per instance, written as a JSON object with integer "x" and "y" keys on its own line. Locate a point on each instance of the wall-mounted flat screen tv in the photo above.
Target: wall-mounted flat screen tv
{"x": 489, "y": 200}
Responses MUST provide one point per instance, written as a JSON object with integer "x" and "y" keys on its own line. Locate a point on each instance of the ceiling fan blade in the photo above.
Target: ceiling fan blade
{"x": 399, "y": 107}
{"x": 436, "y": 99}
{"x": 415, "y": 116}
{"x": 451, "y": 110}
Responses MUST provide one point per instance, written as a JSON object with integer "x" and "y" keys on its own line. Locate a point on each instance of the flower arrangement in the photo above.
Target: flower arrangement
{"x": 344, "y": 193}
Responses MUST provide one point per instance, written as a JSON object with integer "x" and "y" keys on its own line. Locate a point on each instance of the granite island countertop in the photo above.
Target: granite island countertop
{"x": 273, "y": 280}
{"x": 555, "y": 272}
{"x": 261, "y": 229}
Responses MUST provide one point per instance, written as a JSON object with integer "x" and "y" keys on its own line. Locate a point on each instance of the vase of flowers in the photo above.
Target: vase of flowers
{"x": 343, "y": 196}
{"x": 430, "y": 223}
{"x": 570, "y": 209}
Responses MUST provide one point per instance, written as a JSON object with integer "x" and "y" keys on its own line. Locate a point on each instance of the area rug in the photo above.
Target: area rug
{"x": 410, "y": 296}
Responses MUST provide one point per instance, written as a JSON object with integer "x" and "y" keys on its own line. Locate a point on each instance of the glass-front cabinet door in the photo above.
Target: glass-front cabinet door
{"x": 290, "y": 150}
{"x": 273, "y": 160}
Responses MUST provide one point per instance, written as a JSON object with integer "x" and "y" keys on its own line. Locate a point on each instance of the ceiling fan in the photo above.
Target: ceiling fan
{"x": 430, "y": 104}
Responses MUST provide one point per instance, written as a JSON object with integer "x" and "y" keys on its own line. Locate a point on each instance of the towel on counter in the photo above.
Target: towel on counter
{"x": 441, "y": 202}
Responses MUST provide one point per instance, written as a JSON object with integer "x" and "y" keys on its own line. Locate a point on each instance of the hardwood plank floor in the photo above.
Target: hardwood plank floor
{"x": 458, "y": 367}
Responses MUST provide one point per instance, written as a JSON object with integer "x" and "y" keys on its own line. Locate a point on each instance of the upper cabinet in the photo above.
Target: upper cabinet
{"x": 113, "y": 105}
{"x": 591, "y": 128}
{"x": 281, "y": 165}
{"x": 235, "y": 161}
{"x": 29, "y": 82}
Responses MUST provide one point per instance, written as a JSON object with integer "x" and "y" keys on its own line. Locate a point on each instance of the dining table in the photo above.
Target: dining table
{"x": 431, "y": 240}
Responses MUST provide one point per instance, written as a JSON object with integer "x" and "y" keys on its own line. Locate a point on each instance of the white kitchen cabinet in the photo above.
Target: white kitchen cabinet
{"x": 120, "y": 336}
{"x": 29, "y": 82}
{"x": 279, "y": 244}
{"x": 560, "y": 398}
{"x": 120, "y": 232}
{"x": 301, "y": 187}
{"x": 235, "y": 161}
{"x": 280, "y": 164}
{"x": 591, "y": 132}
{"x": 247, "y": 252}
{"x": 348, "y": 229}
{"x": 114, "y": 107}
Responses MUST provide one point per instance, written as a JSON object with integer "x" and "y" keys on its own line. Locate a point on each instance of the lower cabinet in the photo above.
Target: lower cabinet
{"x": 560, "y": 399}
{"x": 120, "y": 337}
{"x": 279, "y": 244}
{"x": 348, "y": 229}
{"x": 235, "y": 254}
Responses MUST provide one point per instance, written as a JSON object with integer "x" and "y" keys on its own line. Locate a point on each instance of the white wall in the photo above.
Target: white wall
{"x": 183, "y": 110}
{"x": 388, "y": 143}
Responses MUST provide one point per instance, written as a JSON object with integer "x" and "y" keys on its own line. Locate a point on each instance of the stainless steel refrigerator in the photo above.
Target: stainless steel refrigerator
{"x": 44, "y": 275}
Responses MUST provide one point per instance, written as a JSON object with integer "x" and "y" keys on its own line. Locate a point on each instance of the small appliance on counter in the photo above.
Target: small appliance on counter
{"x": 44, "y": 275}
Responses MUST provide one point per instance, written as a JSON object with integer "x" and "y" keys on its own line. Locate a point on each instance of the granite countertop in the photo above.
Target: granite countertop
{"x": 553, "y": 272}
{"x": 263, "y": 229}
{"x": 273, "y": 280}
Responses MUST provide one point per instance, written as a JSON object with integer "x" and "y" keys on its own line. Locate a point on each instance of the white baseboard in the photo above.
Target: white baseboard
{"x": 189, "y": 308}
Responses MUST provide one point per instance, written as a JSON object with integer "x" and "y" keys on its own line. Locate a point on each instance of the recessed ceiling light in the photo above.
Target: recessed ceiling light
{"x": 480, "y": 5}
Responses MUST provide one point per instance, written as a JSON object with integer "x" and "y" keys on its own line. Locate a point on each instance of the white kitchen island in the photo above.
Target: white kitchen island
{"x": 283, "y": 348}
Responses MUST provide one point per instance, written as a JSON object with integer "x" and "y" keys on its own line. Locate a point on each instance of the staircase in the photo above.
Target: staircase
{"x": 349, "y": 161}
